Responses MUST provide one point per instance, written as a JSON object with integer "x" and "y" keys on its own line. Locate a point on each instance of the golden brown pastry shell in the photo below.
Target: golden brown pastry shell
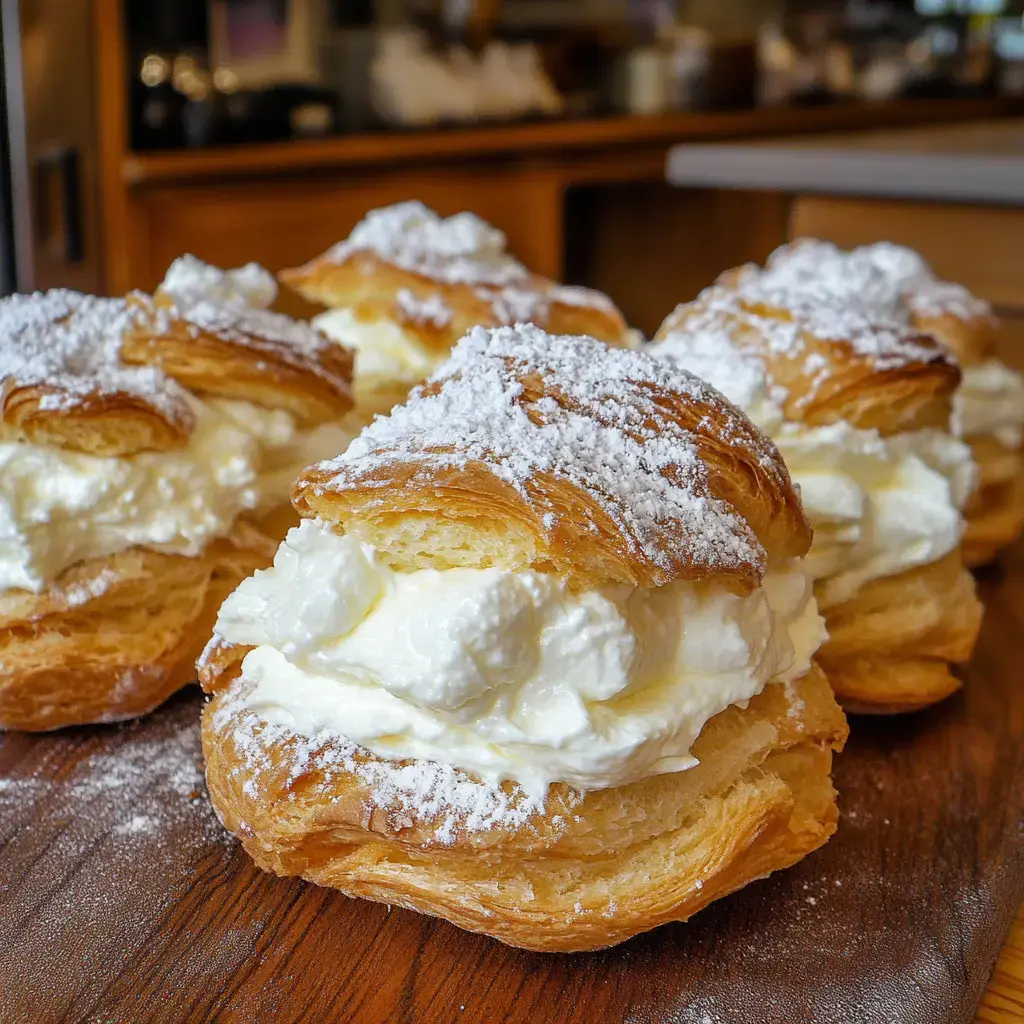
{"x": 418, "y": 512}
{"x": 586, "y": 873}
{"x": 114, "y": 637}
{"x": 897, "y": 394}
{"x": 893, "y": 647}
{"x": 369, "y": 285}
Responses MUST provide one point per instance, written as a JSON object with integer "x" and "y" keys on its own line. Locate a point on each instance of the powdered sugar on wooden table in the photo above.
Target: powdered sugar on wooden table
{"x": 597, "y": 426}
{"x": 70, "y": 343}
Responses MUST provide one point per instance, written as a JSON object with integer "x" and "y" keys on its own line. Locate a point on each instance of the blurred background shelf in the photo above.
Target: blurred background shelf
{"x": 550, "y": 136}
{"x": 264, "y": 129}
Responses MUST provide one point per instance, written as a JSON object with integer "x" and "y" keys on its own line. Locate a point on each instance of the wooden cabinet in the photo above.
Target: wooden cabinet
{"x": 282, "y": 223}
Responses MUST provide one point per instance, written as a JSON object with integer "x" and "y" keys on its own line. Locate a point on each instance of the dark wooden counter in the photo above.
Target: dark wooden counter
{"x": 121, "y": 900}
{"x": 549, "y": 137}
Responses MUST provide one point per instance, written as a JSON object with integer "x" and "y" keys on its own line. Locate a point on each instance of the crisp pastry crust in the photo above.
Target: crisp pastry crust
{"x": 438, "y": 277}
{"x": 235, "y": 351}
{"x": 63, "y": 383}
{"x": 828, "y": 364}
{"x": 586, "y": 872}
{"x": 437, "y": 313}
{"x": 566, "y": 456}
{"x": 892, "y": 647}
{"x": 892, "y": 281}
{"x": 826, "y": 355}
{"x": 897, "y": 283}
{"x": 112, "y": 638}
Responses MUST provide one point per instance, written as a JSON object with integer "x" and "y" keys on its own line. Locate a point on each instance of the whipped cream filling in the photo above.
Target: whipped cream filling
{"x": 59, "y": 507}
{"x": 385, "y": 354}
{"x": 990, "y": 403}
{"x": 879, "y": 505}
{"x": 507, "y": 675}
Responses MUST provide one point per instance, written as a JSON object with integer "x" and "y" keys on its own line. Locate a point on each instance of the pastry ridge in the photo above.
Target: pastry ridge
{"x": 760, "y": 799}
{"x": 674, "y": 483}
{"x": 832, "y": 366}
{"x": 63, "y": 384}
{"x": 247, "y": 353}
{"x": 113, "y": 638}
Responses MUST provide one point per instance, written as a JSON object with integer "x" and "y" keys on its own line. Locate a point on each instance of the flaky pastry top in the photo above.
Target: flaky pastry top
{"x": 824, "y": 356}
{"x": 206, "y": 328}
{"x": 114, "y": 376}
{"x": 63, "y": 381}
{"x": 558, "y": 453}
{"x": 888, "y": 281}
{"x": 439, "y": 276}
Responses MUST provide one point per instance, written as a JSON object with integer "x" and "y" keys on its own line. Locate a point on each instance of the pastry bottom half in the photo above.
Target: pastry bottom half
{"x": 112, "y": 638}
{"x": 586, "y": 872}
{"x": 893, "y": 646}
{"x": 995, "y": 512}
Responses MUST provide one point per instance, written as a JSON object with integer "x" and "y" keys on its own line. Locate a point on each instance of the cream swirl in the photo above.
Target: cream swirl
{"x": 59, "y": 507}
{"x": 508, "y": 675}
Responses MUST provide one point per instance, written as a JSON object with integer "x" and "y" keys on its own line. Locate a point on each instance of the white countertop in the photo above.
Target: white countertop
{"x": 980, "y": 162}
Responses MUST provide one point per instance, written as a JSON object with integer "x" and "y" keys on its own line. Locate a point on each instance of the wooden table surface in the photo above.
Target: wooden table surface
{"x": 123, "y": 902}
{"x": 1003, "y": 1002}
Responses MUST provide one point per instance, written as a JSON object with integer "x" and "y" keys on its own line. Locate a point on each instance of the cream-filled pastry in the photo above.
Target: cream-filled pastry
{"x": 859, "y": 408}
{"x": 138, "y": 446}
{"x": 539, "y": 659}
{"x": 407, "y": 284}
{"x": 892, "y": 281}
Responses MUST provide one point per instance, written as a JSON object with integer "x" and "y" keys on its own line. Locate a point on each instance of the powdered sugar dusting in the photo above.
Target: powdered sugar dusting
{"x": 228, "y": 305}
{"x": 809, "y": 299}
{"x": 462, "y": 249}
{"x": 596, "y": 425}
{"x": 883, "y": 279}
{"x": 432, "y": 310}
{"x": 71, "y": 343}
{"x": 141, "y": 787}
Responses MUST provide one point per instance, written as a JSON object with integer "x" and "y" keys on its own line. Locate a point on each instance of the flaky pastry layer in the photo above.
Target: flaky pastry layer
{"x": 893, "y": 647}
{"x": 439, "y": 312}
{"x": 995, "y": 511}
{"x": 534, "y": 451}
{"x": 113, "y": 638}
{"x": 238, "y": 354}
{"x": 586, "y": 872}
{"x": 877, "y": 376}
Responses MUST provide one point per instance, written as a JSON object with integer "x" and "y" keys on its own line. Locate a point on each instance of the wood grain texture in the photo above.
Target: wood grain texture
{"x": 122, "y": 901}
{"x": 1003, "y": 1002}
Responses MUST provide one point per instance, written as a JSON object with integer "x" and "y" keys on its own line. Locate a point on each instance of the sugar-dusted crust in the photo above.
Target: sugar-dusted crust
{"x": 822, "y": 363}
{"x": 242, "y": 352}
{"x": 113, "y": 638}
{"x": 890, "y": 281}
{"x": 578, "y": 872}
{"x": 565, "y": 455}
{"x": 439, "y": 277}
{"x": 63, "y": 383}
{"x": 892, "y": 647}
